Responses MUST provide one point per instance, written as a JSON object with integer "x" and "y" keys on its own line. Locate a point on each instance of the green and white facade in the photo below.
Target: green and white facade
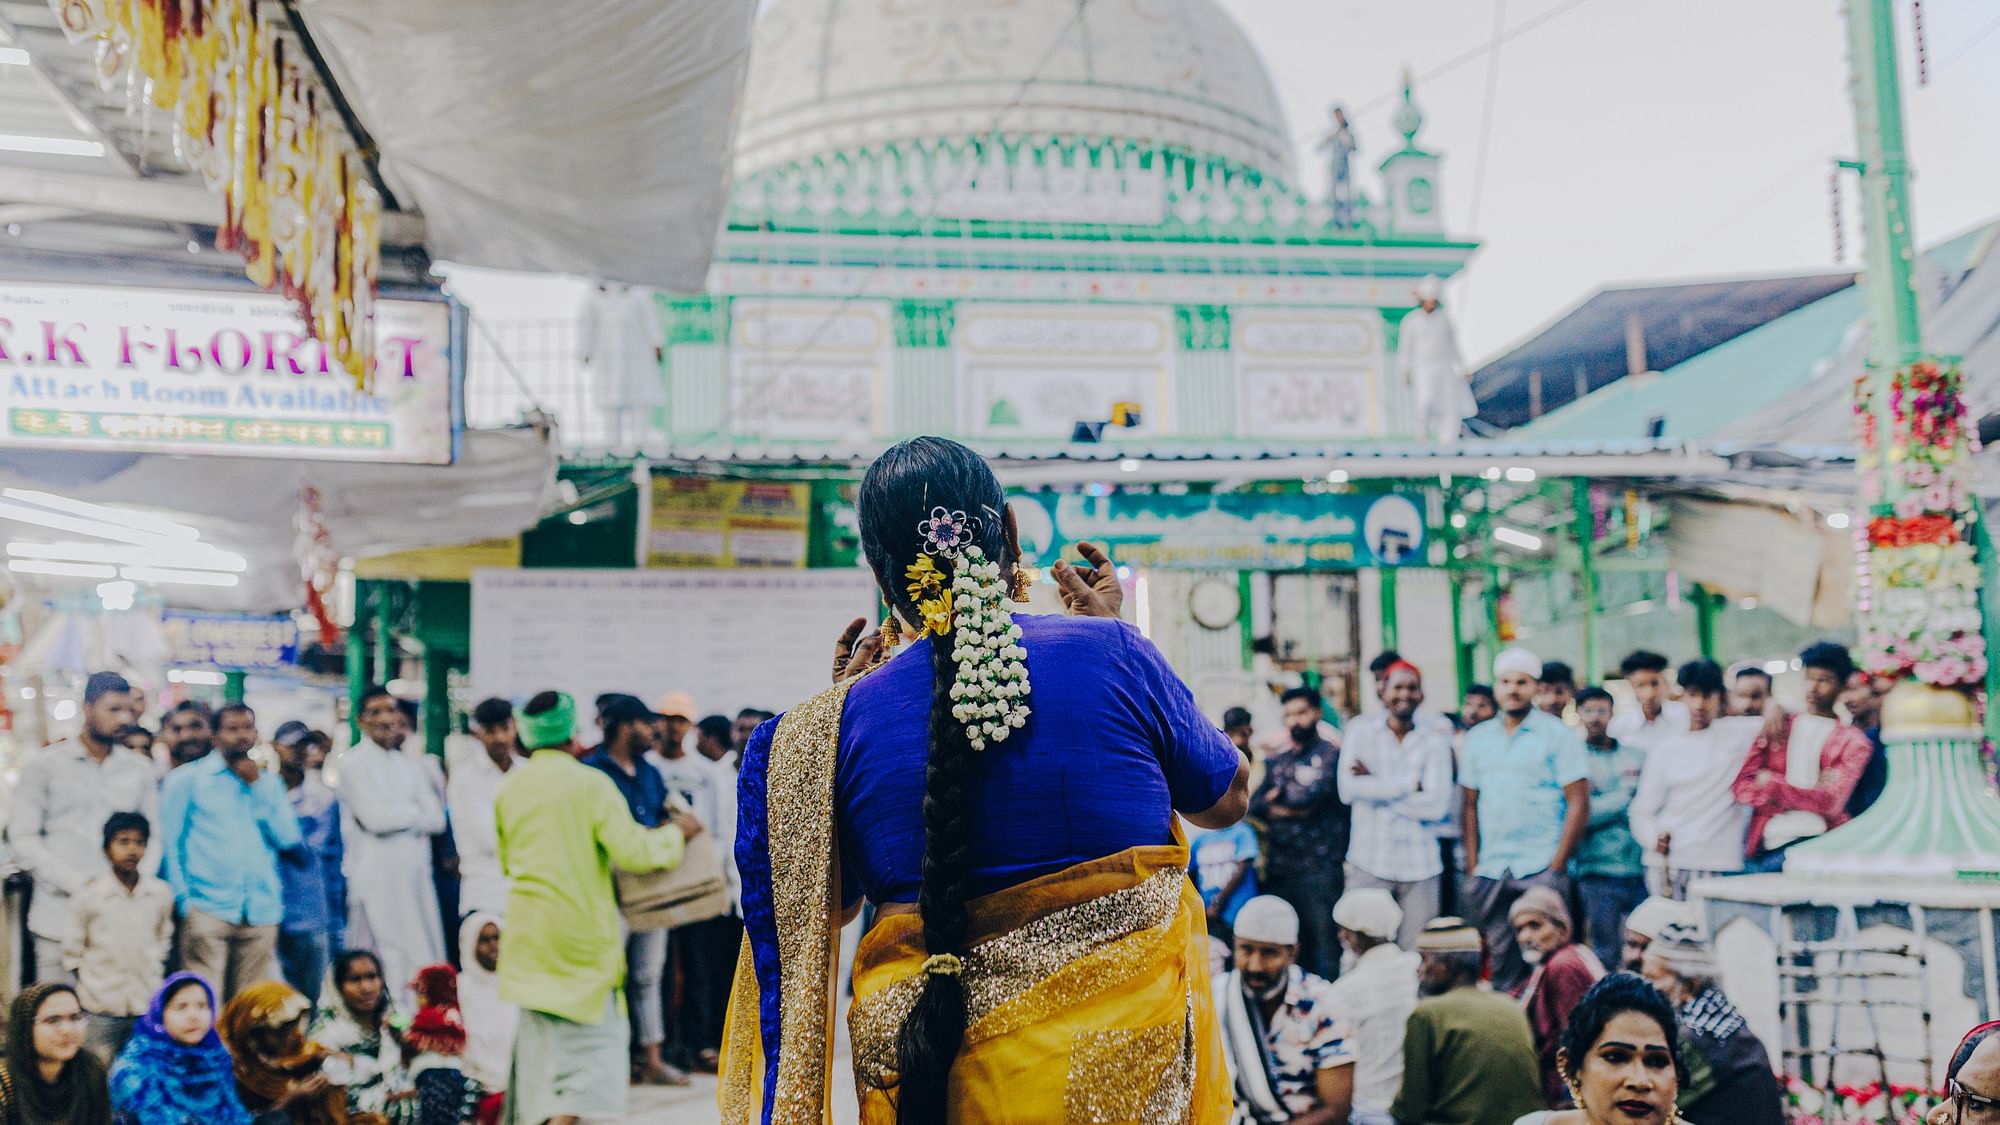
{"x": 997, "y": 218}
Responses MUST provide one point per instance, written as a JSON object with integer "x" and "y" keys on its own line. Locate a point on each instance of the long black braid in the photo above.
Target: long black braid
{"x": 899, "y": 492}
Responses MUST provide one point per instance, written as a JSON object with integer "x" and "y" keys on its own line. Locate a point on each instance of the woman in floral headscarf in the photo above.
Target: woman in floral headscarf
{"x": 175, "y": 1070}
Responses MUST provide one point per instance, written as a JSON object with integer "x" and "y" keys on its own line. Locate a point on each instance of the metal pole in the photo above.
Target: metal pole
{"x": 1889, "y": 243}
{"x": 1586, "y": 535}
{"x": 437, "y": 700}
{"x": 1461, "y": 654}
{"x": 1387, "y": 589}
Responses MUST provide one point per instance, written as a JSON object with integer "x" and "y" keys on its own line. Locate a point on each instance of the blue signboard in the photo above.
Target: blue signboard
{"x": 235, "y": 641}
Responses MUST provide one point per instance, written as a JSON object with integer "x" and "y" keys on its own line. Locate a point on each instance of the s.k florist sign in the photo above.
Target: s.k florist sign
{"x": 219, "y": 374}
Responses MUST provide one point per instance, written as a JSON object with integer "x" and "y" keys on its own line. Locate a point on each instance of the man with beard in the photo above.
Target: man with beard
{"x": 224, "y": 822}
{"x": 1526, "y": 779}
{"x": 1799, "y": 776}
{"x": 1468, "y": 1056}
{"x": 746, "y": 724}
{"x": 1564, "y": 971}
{"x": 1306, "y": 829}
{"x": 1290, "y": 1056}
{"x": 62, "y": 797}
{"x": 389, "y": 811}
{"x": 188, "y": 733}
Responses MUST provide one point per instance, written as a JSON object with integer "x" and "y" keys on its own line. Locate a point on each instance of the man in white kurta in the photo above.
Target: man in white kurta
{"x": 389, "y": 811}
{"x": 1427, "y": 356}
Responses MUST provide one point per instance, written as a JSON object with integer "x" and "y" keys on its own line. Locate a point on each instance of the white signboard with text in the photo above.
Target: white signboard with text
{"x": 1037, "y": 370}
{"x": 808, "y": 369}
{"x": 731, "y": 638}
{"x": 1309, "y": 373}
{"x": 210, "y": 373}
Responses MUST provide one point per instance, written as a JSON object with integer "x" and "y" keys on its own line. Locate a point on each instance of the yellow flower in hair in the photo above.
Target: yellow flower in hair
{"x": 925, "y": 578}
{"x": 937, "y": 615}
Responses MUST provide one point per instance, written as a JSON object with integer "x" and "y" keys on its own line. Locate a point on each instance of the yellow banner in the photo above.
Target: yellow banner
{"x": 722, "y": 523}
{"x": 443, "y": 564}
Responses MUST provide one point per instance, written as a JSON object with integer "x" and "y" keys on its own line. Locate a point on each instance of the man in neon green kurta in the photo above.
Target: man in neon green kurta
{"x": 562, "y": 826}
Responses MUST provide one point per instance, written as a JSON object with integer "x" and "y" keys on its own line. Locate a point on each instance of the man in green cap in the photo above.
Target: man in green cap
{"x": 562, "y": 826}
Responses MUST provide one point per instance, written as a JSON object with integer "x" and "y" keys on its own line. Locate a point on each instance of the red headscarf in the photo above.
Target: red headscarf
{"x": 439, "y": 1028}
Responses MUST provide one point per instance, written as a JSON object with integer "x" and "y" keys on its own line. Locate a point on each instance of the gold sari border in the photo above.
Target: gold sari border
{"x": 803, "y": 892}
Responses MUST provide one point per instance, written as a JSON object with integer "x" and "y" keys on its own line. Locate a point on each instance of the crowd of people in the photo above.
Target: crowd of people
{"x": 226, "y": 930}
{"x": 1431, "y": 917}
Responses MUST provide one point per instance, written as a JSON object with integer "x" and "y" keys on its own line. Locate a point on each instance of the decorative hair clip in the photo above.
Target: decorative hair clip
{"x": 947, "y": 533}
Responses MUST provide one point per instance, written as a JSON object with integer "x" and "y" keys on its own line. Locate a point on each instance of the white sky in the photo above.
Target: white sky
{"x": 1639, "y": 139}
{"x": 1630, "y": 139}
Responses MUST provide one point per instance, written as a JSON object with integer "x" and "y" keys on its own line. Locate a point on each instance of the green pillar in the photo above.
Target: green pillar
{"x": 1491, "y": 596}
{"x": 437, "y": 700}
{"x": 1245, "y": 620}
{"x": 232, "y": 687}
{"x": 357, "y": 664}
{"x": 1888, "y": 240}
{"x": 1586, "y": 542}
{"x": 385, "y": 640}
{"x": 1989, "y": 604}
{"x": 1388, "y": 593}
{"x": 1706, "y": 625}
{"x": 1461, "y": 653}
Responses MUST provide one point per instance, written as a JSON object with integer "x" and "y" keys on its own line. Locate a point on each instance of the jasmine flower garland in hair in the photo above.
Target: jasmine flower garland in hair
{"x": 991, "y": 694}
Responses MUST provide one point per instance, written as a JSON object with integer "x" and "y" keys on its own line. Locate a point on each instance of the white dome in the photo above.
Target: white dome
{"x": 839, "y": 75}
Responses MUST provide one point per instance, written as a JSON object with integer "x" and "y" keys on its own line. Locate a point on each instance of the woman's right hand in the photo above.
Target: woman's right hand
{"x": 1091, "y": 591}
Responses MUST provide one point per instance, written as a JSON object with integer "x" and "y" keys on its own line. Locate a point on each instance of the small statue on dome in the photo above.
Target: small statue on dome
{"x": 1339, "y": 144}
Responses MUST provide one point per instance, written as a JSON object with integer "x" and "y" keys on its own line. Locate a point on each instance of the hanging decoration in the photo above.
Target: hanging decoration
{"x": 319, "y": 562}
{"x": 1919, "y": 589}
{"x": 252, "y": 118}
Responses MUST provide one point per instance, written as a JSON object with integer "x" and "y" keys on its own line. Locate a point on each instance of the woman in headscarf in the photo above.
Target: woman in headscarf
{"x": 46, "y": 1077}
{"x": 355, "y": 1019}
{"x": 175, "y": 1070}
{"x": 489, "y": 1020}
{"x": 1004, "y": 790}
{"x": 280, "y": 1076}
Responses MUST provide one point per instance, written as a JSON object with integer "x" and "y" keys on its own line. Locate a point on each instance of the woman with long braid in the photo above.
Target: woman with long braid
{"x": 1003, "y": 790}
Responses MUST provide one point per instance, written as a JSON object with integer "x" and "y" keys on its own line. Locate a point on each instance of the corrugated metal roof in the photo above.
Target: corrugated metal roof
{"x": 1585, "y": 348}
{"x": 1692, "y": 400}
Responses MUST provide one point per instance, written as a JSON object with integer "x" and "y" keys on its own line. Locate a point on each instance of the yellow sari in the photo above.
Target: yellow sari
{"x": 1087, "y": 990}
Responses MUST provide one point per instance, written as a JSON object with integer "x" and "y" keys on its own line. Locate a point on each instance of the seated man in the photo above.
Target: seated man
{"x": 1290, "y": 1058}
{"x": 1643, "y": 926}
{"x": 1729, "y": 1074}
{"x": 1563, "y": 971}
{"x": 1468, "y": 1056}
{"x": 1375, "y": 996}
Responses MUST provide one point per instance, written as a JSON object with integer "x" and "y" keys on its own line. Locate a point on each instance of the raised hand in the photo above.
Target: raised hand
{"x": 853, "y": 653}
{"x": 1091, "y": 590}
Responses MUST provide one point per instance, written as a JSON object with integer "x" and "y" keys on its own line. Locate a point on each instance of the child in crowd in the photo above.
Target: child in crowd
{"x": 434, "y": 1050}
{"x": 117, "y": 946}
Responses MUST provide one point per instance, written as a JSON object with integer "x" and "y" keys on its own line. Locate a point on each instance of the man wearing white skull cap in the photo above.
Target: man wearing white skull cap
{"x": 1376, "y": 994}
{"x": 1291, "y": 1056}
{"x": 1526, "y": 780}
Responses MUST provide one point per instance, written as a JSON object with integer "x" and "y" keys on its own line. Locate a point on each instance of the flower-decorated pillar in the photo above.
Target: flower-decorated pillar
{"x": 1917, "y": 602}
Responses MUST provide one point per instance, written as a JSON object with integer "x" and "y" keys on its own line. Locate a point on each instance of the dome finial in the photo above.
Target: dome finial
{"x": 1409, "y": 118}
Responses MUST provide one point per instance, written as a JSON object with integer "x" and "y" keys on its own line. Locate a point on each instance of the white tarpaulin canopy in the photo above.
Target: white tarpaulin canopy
{"x": 590, "y": 138}
{"x": 503, "y": 482}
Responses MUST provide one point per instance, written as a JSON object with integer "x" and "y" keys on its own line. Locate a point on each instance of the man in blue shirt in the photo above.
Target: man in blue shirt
{"x": 1225, "y": 871}
{"x": 1526, "y": 778}
{"x": 1611, "y": 868}
{"x": 628, "y": 733}
{"x": 315, "y": 889}
{"x": 223, "y": 823}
